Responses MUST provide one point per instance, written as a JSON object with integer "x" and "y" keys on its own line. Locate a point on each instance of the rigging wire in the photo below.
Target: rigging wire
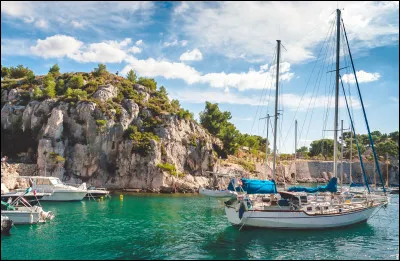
{"x": 262, "y": 94}
{"x": 316, "y": 61}
{"x": 319, "y": 74}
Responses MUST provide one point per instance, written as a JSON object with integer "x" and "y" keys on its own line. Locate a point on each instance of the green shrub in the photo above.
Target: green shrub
{"x": 49, "y": 86}
{"x": 142, "y": 141}
{"x": 74, "y": 95}
{"x": 193, "y": 140}
{"x": 60, "y": 87}
{"x": 5, "y": 72}
{"x": 148, "y": 82}
{"x": 249, "y": 166}
{"x": 101, "y": 123}
{"x": 168, "y": 167}
{"x": 19, "y": 71}
{"x": 30, "y": 77}
{"x": 24, "y": 98}
{"x": 91, "y": 87}
{"x": 76, "y": 82}
{"x": 37, "y": 93}
{"x": 184, "y": 114}
{"x": 56, "y": 158}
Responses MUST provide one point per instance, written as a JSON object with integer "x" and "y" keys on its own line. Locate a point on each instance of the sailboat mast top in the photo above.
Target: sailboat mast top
{"x": 276, "y": 107}
{"x": 335, "y": 126}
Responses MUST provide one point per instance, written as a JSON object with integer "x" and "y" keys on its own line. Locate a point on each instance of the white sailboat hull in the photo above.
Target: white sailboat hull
{"x": 67, "y": 195}
{"x": 297, "y": 219}
{"x": 217, "y": 193}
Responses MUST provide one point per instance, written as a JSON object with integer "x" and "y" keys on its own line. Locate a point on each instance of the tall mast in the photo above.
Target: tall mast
{"x": 341, "y": 157}
{"x": 266, "y": 145}
{"x": 276, "y": 107}
{"x": 387, "y": 170}
{"x": 335, "y": 127}
{"x": 295, "y": 149}
{"x": 351, "y": 154}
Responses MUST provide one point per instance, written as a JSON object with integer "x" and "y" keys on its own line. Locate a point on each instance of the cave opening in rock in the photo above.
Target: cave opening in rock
{"x": 19, "y": 146}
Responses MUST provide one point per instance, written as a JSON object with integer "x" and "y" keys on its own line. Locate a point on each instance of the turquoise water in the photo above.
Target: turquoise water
{"x": 188, "y": 227}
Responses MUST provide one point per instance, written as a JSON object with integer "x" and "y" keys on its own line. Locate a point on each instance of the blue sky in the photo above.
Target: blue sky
{"x": 223, "y": 52}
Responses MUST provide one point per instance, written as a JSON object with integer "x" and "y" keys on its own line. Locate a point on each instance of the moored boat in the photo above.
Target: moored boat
{"x": 58, "y": 190}
{"x": 21, "y": 212}
{"x": 6, "y": 225}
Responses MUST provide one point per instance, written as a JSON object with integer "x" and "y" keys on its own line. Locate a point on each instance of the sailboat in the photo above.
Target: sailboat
{"x": 263, "y": 206}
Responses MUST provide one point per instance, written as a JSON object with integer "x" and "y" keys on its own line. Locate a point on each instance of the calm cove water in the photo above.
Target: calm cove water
{"x": 143, "y": 226}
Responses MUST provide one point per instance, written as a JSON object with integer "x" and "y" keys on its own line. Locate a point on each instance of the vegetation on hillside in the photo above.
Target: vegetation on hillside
{"x": 80, "y": 86}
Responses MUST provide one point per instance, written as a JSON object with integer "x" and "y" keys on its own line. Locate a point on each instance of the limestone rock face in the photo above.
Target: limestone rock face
{"x": 11, "y": 116}
{"x": 10, "y": 176}
{"x": 71, "y": 144}
{"x": 106, "y": 92}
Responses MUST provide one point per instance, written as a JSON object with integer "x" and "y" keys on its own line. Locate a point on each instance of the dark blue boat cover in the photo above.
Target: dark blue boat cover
{"x": 356, "y": 185}
{"x": 255, "y": 186}
{"x": 331, "y": 187}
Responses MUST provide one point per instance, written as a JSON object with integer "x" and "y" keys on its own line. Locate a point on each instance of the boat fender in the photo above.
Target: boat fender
{"x": 242, "y": 209}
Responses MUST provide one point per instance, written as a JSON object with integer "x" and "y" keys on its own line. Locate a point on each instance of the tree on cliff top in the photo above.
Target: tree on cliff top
{"x": 323, "y": 147}
{"x": 100, "y": 70}
{"x": 213, "y": 119}
{"x": 55, "y": 70}
{"x": 131, "y": 76}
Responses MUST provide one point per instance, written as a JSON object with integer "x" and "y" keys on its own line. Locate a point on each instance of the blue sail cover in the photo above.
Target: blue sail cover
{"x": 331, "y": 187}
{"x": 356, "y": 185}
{"x": 256, "y": 186}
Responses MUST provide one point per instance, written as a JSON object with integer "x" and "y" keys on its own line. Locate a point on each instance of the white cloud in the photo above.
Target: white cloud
{"x": 17, "y": 9}
{"x": 249, "y": 30}
{"x": 41, "y": 23}
{"x": 139, "y": 42}
{"x": 77, "y": 24}
{"x": 248, "y": 80}
{"x": 135, "y": 49}
{"x": 98, "y": 16}
{"x": 241, "y": 81}
{"x": 169, "y": 70}
{"x": 100, "y": 52}
{"x": 183, "y": 42}
{"x": 293, "y": 101}
{"x": 288, "y": 100}
{"x": 213, "y": 96}
{"x": 15, "y": 47}
{"x": 125, "y": 42}
{"x": 362, "y": 76}
{"x": 395, "y": 99}
{"x": 242, "y": 119}
{"x": 175, "y": 42}
{"x": 56, "y": 46}
{"x": 194, "y": 55}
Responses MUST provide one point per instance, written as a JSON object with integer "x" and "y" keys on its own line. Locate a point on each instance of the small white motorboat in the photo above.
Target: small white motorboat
{"x": 26, "y": 213}
{"x": 93, "y": 192}
{"x": 57, "y": 189}
{"x": 218, "y": 193}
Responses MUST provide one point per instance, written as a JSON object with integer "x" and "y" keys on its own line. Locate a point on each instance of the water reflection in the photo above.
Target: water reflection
{"x": 256, "y": 243}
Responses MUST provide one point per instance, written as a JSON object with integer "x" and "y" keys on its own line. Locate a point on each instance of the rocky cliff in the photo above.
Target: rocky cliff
{"x": 120, "y": 142}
